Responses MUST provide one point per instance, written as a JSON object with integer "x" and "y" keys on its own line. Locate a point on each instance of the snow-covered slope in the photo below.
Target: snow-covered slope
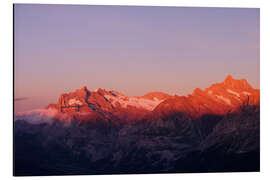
{"x": 137, "y": 102}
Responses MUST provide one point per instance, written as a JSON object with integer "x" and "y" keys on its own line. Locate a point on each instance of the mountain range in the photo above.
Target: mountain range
{"x": 218, "y": 99}
{"x": 106, "y": 132}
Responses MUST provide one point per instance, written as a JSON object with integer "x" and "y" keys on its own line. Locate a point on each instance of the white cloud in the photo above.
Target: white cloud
{"x": 38, "y": 116}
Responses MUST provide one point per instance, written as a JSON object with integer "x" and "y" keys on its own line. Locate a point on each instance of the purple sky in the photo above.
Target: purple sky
{"x": 134, "y": 50}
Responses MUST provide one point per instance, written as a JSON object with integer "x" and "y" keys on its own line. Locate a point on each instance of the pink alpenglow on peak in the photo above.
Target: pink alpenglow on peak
{"x": 219, "y": 98}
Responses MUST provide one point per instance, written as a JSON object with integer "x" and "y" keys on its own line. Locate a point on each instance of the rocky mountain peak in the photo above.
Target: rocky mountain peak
{"x": 229, "y": 78}
{"x": 237, "y": 84}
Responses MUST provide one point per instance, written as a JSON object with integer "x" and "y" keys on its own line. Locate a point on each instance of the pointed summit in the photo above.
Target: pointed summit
{"x": 197, "y": 91}
{"x": 83, "y": 92}
{"x": 101, "y": 91}
{"x": 84, "y": 88}
{"x": 240, "y": 84}
{"x": 229, "y": 78}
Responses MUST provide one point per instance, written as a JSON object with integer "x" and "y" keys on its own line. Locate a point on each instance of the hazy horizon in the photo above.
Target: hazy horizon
{"x": 130, "y": 49}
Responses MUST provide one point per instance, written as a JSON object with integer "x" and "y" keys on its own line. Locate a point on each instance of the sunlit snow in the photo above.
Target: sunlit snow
{"x": 226, "y": 100}
{"x": 233, "y": 92}
{"x": 74, "y": 101}
{"x": 134, "y": 101}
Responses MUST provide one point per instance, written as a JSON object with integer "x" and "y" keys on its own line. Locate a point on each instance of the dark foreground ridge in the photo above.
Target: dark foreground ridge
{"x": 175, "y": 143}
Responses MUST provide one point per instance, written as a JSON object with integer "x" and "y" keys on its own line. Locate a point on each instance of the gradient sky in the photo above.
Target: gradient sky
{"x": 134, "y": 50}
